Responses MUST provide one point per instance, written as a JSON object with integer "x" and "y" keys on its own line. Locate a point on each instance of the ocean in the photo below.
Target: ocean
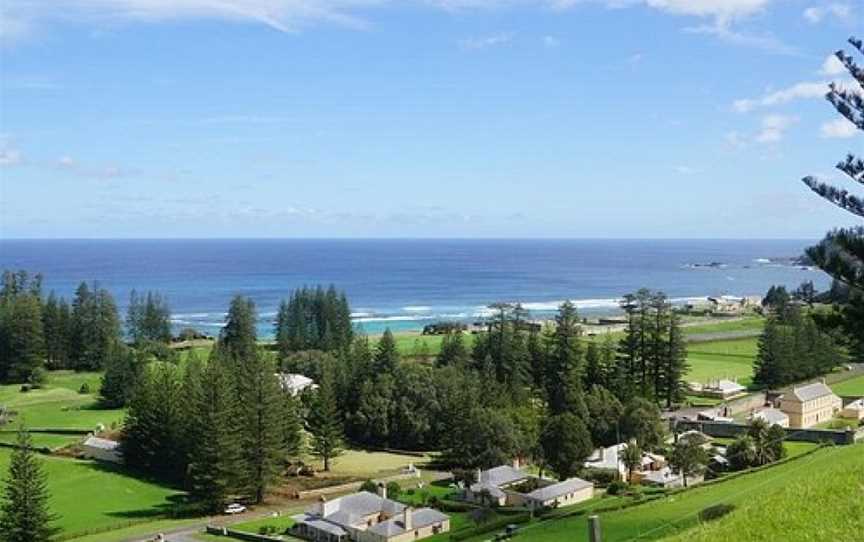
{"x": 405, "y": 284}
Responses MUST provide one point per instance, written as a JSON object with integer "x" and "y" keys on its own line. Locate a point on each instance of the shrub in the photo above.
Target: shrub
{"x": 267, "y": 530}
{"x": 393, "y": 490}
{"x": 369, "y": 486}
{"x": 715, "y": 512}
{"x": 601, "y": 478}
{"x": 38, "y": 378}
{"x": 84, "y": 389}
{"x": 617, "y": 487}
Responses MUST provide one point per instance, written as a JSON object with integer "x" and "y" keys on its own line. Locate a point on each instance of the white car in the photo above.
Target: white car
{"x": 235, "y": 508}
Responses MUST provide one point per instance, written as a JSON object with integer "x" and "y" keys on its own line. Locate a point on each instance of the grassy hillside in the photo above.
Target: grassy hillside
{"x": 826, "y": 504}
{"x": 679, "y": 512}
{"x": 91, "y": 497}
{"x": 58, "y": 405}
{"x": 722, "y": 359}
{"x": 852, "y": 387}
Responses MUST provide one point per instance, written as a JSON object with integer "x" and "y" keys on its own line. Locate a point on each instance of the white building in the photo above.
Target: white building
{"x": 101, "y": 449}
{"x": 295, "y": 383}
{"x": 772, "y": 416}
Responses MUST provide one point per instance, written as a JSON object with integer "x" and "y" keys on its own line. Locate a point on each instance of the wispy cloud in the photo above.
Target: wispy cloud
{"x": 832, "y": 66}
{"x": 485, "y": 42}
{"x": 774, "y": 128}
{"x": 803, "y": 90}
{"x": 103, "y": 172}
{"x": 724, "y": 32}
{"x": 550, "y": 42}
{"x": 10, "y": 157}
{"x": 839, "y": 128}
{"x": 816, "y": 14}
{"x": 21, "y": 18}
{"x": 686, "y": 170}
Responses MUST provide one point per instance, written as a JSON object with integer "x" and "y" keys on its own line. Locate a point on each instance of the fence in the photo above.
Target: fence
{"x": 241, "y": 535}
{"x": 731, "y": 430}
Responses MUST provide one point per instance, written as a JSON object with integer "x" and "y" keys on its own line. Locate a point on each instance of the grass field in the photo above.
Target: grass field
{"x": 365, "y": 464}
{"x": 678, "y": 512}
{"x": 722, "y": 359}
{"x": 58, "y": 405}
{"x": 91, "y": 497}
{"x": 820, "y": 505}
{"x": 852, "y": 387}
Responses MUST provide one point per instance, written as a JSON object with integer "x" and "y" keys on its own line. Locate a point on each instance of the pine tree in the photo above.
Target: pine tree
{"x": 95, "y": 328}
{"x": 566, "y": 444}
{"x": 215, "y": 450}
{"x": 453, "y": 351}
{"x": 238, "y": 338}
{"x": 261, "y": 435}
{"x": 22, "y": 339}
{"x": 293, "y": 442}
{"x": 386, "y": 354}
{"x": 325, "y": 423}
{"x": 841, "y": 252}
{"x": 564, "y": 365}
{"x": 24, "y": 512}
{"x": 148, "y": 318}
{"x": 56, "y": 322}
{"x": 594, "y": 371}
{"x": 120, "y": 378}
{"x": 675, "y": 365}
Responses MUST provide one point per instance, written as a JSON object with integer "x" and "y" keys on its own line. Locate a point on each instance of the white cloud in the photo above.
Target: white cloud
{"x": 816, "y": 14}
{"x": 839, "y": 128}
{"x": 686, "y": 170}
{"x": 722, "y": 10}
{"x": 774, "y": 128}
{"x": 804, "y": 90}
{"x": 484, "y": 42}
{"x": 550, "y": 42}
{"x": 832, "y": 66}
{"x": 10, "y": 157}
{"x": 735, "y": 140}
{"x": 20, "y": 18}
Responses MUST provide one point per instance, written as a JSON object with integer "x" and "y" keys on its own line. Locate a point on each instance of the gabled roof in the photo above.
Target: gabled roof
{"x": 725, "y": 386}
{"x": 499, "y": 476}
{"x": 419, "y": 518}
{"x": 101, "y": 443}
{"x": 320, "y": 524}
{"x": 811, "y": 391}
{"x": 772, "y": 415}
{"x": 554, "y": 491}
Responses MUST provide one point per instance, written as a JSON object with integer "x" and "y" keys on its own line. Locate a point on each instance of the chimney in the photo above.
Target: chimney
{"x": 382, "y": 490}
{"x": 515, "y": 462}
{"x": 408, "y": 518}
{"x": 478, "y": 474}
{"x": 320, "y": 506}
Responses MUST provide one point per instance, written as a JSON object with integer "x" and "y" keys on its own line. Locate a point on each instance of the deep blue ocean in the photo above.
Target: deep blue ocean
{"x": 405, "y": 284}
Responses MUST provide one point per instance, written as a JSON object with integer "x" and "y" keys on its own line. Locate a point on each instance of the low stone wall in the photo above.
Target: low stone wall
{"x": 241, "y": 535}
{"x": 732, "y": 430}
{"x": 744, "y": 404}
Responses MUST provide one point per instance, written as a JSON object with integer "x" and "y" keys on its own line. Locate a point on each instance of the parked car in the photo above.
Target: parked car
{"x": 235, "y": 508}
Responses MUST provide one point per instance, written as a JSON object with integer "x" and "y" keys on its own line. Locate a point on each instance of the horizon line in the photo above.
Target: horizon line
{"x": 478, "y": 238}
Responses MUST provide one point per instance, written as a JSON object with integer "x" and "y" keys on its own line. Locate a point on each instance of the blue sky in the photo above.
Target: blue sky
{"x": 435, "y": 118}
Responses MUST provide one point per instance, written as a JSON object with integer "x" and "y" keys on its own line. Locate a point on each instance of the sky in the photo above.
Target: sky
{"x": 421, "y": 118}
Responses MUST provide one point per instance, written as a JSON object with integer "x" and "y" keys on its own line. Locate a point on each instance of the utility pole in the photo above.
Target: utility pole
{"x": 594, "y": 534}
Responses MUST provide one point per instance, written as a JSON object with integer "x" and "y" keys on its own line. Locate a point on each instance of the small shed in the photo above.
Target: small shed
{"x": 101, "y": 449}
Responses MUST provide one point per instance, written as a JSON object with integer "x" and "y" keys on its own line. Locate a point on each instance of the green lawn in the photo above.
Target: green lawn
{"x": 281, "y": 524}
{"x": 58, "y": 405}
{"x": 852, "y": 387}
{"x": 751, "y": 323}
{"x": 677, "y": 512}
{"x": 366, "y": 464}
{"x": 823, "y": 504}
{"x": 722, "y": 359}
{"x": 90, "y": 497}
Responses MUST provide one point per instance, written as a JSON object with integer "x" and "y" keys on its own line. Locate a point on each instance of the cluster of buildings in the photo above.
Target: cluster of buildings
{"x": 368, "y": 517}
{"x": 508, "y": 485}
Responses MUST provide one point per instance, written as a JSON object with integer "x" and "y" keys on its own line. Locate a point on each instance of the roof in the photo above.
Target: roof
{"x": 351, "y": 509}
{"x": 772, "y": 415}
{"x": 811, "y": 391}
{"x": 553, "y": 491}
{"x": 726, "y": 386}
{"x": 295, "y": 383}
{"x": 101, "y": 443}
{"x": 608, "y": 458}
{"x": 662, "y": 476}
{"x": 497, "y": 477}
{"x": 419, "y": 518}
{"x": 857, "y": 404}
{"x": 320, "y": 524}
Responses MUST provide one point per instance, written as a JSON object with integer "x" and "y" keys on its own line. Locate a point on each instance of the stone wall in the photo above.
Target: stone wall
{"x": 732, "y": 430}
